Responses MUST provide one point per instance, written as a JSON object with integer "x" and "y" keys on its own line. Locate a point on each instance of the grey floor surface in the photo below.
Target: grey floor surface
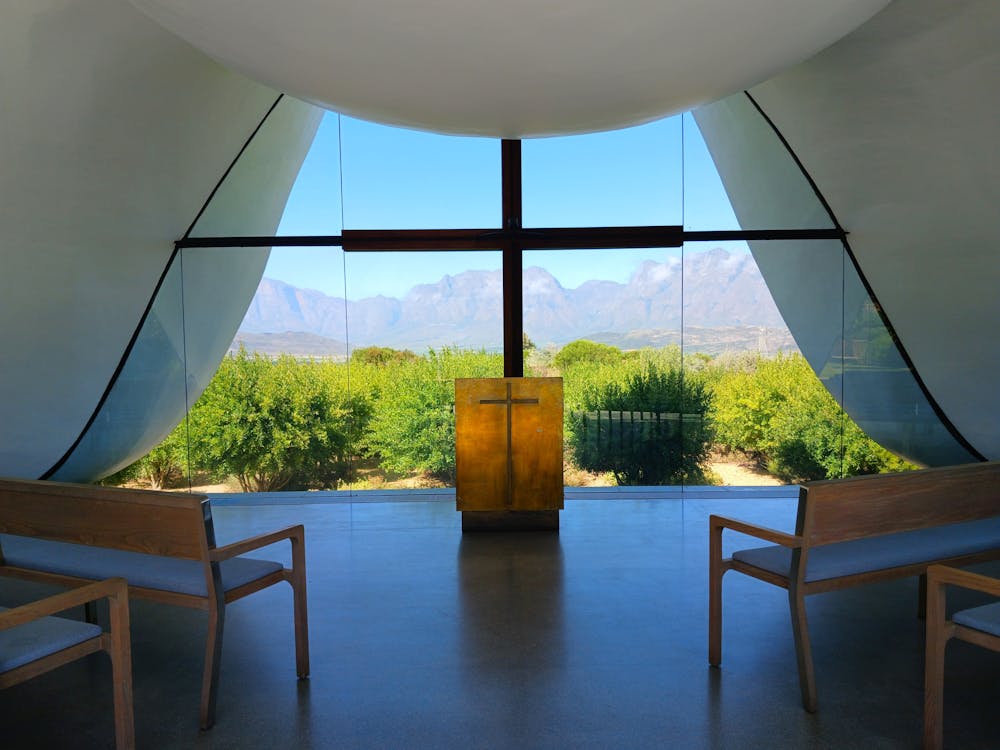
{"x": 594, "y": 637}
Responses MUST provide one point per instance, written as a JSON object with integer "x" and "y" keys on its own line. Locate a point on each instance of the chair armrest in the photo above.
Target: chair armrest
{"x": 942, "y": 575}
{"x": 718, "y": 523}
{"x": 114, "y": 588}
{"x": 295, "y": 534}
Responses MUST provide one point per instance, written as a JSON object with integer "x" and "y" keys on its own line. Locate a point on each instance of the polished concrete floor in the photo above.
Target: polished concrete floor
{"x": 594, "y": 637}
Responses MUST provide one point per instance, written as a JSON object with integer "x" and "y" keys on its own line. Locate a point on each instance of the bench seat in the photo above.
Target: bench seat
{"x": 860, "y": 530}
{"x": 857, "y": 556}
{"x": 160, "y": 544}
{"x": 37, "y": 639}
{"x": 142, "y": 570}
{"x": 985, "y": 618}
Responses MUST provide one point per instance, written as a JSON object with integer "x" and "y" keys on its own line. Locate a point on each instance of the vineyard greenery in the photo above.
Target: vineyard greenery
{"x": 284, "y": 423}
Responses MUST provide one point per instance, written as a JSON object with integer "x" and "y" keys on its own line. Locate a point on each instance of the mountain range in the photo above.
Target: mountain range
{"x": 726, "y": 306}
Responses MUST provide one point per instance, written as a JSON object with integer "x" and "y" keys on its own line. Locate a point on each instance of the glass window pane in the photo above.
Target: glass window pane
{"x": 147, "y": 400}
{"x": 252, "y": 197}
{"x": 881, "y": 393}
{"x": 736, "y": 345}
{"x": 277, "y": 412}
{"x": 628, "y": 177}
{"x": 729, "y": 145}
{"x": 609, "y": 323}
{"x": 438, "y": 316}
{"x": 314, "y": 205}
{"x": 404, "y": 179}
{"x": 776, "y": 391}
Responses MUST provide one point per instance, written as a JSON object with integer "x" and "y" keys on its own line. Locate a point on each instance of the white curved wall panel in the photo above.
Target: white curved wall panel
{"x": 897, "y": 124}
{"x": 511, "y": 69}
{"x": 114, "y": 134}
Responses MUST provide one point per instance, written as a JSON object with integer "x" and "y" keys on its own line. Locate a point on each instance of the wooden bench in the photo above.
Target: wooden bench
{"x": 162, "y": 543}
{"x": 860, "y": 530}
{"x": 33, "y": 642}
{"x": 979, "y": 625}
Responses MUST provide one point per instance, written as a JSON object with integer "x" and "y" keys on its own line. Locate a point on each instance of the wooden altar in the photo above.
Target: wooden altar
{"x": 508, "y": 452}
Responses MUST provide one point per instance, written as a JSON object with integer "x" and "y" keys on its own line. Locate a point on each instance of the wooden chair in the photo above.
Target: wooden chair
{"x": 33, "y": 642}
{"x": 979, "y": 625}
{"x": 162, "y": 543}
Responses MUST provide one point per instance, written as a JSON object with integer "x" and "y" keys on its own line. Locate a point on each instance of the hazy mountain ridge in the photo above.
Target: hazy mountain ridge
{"x": 723, "y": 290}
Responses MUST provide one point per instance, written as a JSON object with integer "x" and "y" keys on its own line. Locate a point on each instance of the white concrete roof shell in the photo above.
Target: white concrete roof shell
{"x": 512, "y": 69}
{"x": 897, "y": 124}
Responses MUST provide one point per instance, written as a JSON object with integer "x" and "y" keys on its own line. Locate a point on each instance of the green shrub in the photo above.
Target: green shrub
{"x": 272, "y": 424}
{"x": 381, "y": 356}
{"x": 777, "y": 411}
{"x": 585, "y": 351}
{"x": 651, "y": 448}
{"x": 413, "y": 421}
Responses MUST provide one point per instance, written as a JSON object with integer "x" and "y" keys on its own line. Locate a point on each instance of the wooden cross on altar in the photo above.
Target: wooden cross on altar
{"x": 509, "y": 403}
{"x": 511, "y": 459}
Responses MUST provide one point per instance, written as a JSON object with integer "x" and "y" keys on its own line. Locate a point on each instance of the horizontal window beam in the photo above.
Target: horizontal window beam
{"x": 543, "y": 238}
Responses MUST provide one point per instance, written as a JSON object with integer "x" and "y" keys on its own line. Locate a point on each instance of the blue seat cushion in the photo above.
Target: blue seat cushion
{"x": 145, "y": 571}
{"x": 880, "y": 552}
{"x": 34, "y": 640}
{"x": 985, "y": 618}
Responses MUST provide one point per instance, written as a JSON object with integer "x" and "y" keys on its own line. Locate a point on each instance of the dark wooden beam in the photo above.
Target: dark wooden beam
{"x": 407, "y": 240}
{"x": 601, "y": 238}
{"x": 513, "y": 297}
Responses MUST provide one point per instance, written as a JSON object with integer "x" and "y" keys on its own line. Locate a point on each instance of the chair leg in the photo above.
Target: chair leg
{"x": 937, "y": 639}
{"x": 213, "y": 657}
{"x": 803, "y": 650}
{"x": 301, "y": 614}
{"x": 121, "y": 671}
{"x": 715, "y": 572}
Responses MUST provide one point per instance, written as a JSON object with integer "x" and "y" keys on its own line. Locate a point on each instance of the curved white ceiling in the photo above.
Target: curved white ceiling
{"x": 510, "y": 68}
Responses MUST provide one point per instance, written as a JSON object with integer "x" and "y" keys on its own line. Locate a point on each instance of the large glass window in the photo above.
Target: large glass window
{"x": 144, "y": 402}
{"x": 628, "y": 177}
{"x": 733, "y": 148}
{"x": 686, "y": 358}
{"x": 404, "y": 179}
{"x": 609, "y": 323}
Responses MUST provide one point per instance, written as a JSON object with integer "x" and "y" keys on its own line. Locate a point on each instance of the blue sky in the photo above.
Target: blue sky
{"x": 360, "y": 175}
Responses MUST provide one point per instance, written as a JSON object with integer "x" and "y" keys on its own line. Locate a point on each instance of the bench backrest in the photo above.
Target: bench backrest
{"x": 837, "y": 510}
{"x": 161, "y": 523}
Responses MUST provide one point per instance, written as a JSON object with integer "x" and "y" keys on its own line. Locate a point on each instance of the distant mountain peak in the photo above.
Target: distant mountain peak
{"x": 465, "y": 309}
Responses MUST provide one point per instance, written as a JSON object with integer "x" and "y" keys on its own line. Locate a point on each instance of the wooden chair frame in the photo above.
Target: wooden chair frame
{"x": 169, "y": 524}
{"x": 939, "y": 631}
{"x": 116, "y": 643}
{"x": 838, "y": 510}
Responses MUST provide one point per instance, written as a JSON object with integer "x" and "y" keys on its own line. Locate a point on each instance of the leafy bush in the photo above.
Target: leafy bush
{"x": 413, "y": 422}
{"x": 167, "y": 463}
{"x": 163, "y": 467}
{"x": 586, "y": 351}
{"x": 777, "y": 411}
{"x": 381, "y": 356}
{"x": 272, "y": 424}
{"x": 661, "y": 448}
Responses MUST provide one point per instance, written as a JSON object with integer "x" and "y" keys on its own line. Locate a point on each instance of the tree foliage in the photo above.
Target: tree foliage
{"x": 413, "y": 423}
{"x": 283, "y": 423}
{"x": 583, "y": 350}
{"x": 163, "y": 467}
{"x": 778, "y": 411}
{"x": 660, "y": 435}
{"x": 272, "y": 424}
{"x": 381, "y": 356}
